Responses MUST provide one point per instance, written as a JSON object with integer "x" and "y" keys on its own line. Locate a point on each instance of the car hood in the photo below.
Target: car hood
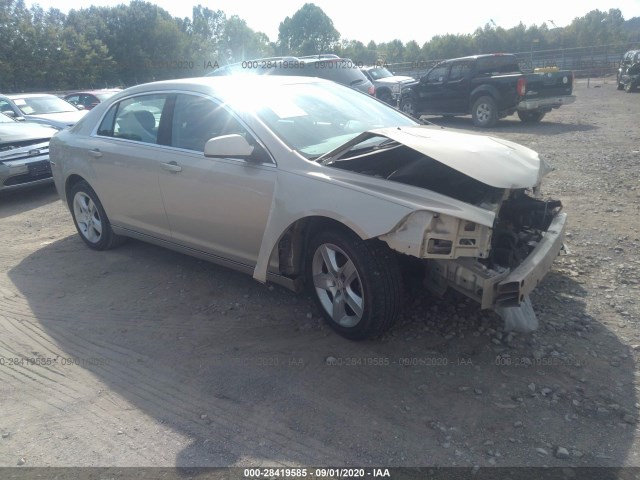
{"x": 61, "y": 119}
{"x": 396, "y": 79}
{"x": 492, "y": 161}
{"x": 20, "y": 132}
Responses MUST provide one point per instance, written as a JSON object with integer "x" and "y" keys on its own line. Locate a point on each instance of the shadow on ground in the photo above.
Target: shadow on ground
{"x": 242, "y": 371}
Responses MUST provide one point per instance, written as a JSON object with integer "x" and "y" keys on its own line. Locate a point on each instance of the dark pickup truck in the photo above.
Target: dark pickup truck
{"x": 488, "y": 87}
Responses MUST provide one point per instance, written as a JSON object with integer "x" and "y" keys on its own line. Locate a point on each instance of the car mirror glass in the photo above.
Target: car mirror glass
{"x": 228, "y": 146}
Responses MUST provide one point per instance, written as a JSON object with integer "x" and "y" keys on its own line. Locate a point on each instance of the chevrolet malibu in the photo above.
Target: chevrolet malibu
{"x": 304, "y": 182}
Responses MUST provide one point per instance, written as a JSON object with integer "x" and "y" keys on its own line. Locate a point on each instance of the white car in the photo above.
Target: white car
{"x": 304, "y": 182}
{"x": 41, "y": 108}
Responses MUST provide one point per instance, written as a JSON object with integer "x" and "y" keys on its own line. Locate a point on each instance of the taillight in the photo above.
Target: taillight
{"x": 372, "y": 90}
{"x": 522, "y": 86}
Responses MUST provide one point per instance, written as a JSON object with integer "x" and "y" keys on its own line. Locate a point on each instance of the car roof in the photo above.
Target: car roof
{"x": 483, "y": 55}
{"x": 223, "y": 85}
{"x": 13, "y": 96}
{"x": 92, "y": 92}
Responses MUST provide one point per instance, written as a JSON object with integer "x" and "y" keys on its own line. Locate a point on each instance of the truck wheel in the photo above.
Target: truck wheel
{"x": 385, "y": 96}
{"x": 628, "y": 87}
{"x": 620, "y": 86}
{"x": 531, "y": 117}
{"x": 357, "y": 285}
{"x": 407, "y": 105}
{"x": 484, "y": 112}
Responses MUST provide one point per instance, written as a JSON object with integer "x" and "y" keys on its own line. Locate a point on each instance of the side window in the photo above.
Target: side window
{"x": 5, "y": 107}
{"x": 459, "y": 71}
{"x": 74, "y": 99}
{"x": 438, "y": 74}
{"x": 198, "y": 119}
{"x": 135, "y": 118}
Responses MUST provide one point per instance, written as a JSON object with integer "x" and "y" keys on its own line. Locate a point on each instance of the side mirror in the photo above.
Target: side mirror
{"x": 228, "y": 146}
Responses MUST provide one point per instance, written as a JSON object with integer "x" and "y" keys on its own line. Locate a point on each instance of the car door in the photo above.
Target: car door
{"x": 216, "y": 205}
{"x": 431, "y": 90}
{"x": 455, "y": 96}
{"x": 126, "y": 157}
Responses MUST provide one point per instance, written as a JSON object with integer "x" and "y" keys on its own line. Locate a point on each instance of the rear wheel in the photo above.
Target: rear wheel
{"x": 357, "y": 285}
{"x": 90, "y": 218}
{"x": 484, "y": 112}
{"x": 531, "y": 117}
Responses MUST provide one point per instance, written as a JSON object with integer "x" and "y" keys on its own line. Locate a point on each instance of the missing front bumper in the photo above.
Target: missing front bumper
{"x": 499, "y": 288}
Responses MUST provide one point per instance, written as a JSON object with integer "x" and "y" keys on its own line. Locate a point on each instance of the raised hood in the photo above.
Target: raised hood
{"x": 493, "y": 161}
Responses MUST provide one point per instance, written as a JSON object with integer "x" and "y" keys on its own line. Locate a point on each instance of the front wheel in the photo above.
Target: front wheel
{"x": 408, "y": 105}
{"x": 357, "y": 285}
{"x": 531, "y": 116}
{"x": 385, "y": 96}
{"x": 484, "y": 112}
{"x": 90, "y": 218}
{"x": 628, "y": 87}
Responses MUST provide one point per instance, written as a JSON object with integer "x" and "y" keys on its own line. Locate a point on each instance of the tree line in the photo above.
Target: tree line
{"x": 98, "y": 47}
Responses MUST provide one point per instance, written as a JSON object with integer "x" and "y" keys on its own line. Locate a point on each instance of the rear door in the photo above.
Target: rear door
{"x": 126, "y": 157}
{"x": 455, "y": 96}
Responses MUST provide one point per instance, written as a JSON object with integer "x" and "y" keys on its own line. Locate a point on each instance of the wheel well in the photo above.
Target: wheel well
{"x": 292, "y": 245}
{"x": 477, "y": 95}
{"x": 70, "y": 183}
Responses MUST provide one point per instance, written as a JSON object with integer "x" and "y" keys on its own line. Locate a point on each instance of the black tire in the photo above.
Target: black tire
{"x": 386, "y": 97}
{"x": 628, "y": 87}
{"x": 408, "y": 106}
{"x": 531, "y": 117}
{"x": 90, "y": 218}
{"x": 484, "y": 112}
{"x": 367, "y": 301}
{"x": 620, "y": 86}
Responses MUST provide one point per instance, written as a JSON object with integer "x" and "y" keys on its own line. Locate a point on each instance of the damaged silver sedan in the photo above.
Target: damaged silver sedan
{"x": 304, "y": 182}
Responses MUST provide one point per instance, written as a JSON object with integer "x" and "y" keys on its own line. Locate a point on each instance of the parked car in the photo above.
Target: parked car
{"x": 628, "y": 76}
{"x": 301, "y": 181}
{"x": 24, "y": 153}
{"x": 488, "y": 87}
{"x": 388, "y": 85}
{"x": 328, "y": 66}
{"x": 89, "y": 99}
{"x": 41, "y": 108}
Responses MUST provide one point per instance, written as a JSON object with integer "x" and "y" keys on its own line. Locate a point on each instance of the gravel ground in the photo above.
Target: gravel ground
{"x": 145, "y": 357}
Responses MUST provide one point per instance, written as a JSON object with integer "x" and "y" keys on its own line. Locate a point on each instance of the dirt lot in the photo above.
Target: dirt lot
{"x": 141, "y": 356}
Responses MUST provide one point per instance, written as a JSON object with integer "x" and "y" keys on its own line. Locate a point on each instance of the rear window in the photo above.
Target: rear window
{"x": 498, "y": 64}
{"x": 341, "y": 70}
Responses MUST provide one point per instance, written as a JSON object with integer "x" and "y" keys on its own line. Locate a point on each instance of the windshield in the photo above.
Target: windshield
{"x": 315, "y": 118}
{"x": 43, "y": 104}
{"x": 378, "y": 73}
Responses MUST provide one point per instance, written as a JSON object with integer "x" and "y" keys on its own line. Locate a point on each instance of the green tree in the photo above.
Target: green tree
{"x": 239, "y": 42}
{"x": 309, "y": 31}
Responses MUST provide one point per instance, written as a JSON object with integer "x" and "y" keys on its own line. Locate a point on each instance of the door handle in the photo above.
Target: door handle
{"x": 172, "y": 167}
{"x": 95, "y": 152}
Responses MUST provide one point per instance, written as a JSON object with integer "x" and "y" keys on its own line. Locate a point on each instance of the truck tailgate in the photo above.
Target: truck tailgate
{"x": 548, "y": 84}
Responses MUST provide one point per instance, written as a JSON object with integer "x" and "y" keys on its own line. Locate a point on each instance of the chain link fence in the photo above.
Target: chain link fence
{"x": 585, "y": 62}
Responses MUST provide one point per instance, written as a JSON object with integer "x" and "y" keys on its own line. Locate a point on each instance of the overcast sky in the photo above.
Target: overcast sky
{"x": 374, "y": 20}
